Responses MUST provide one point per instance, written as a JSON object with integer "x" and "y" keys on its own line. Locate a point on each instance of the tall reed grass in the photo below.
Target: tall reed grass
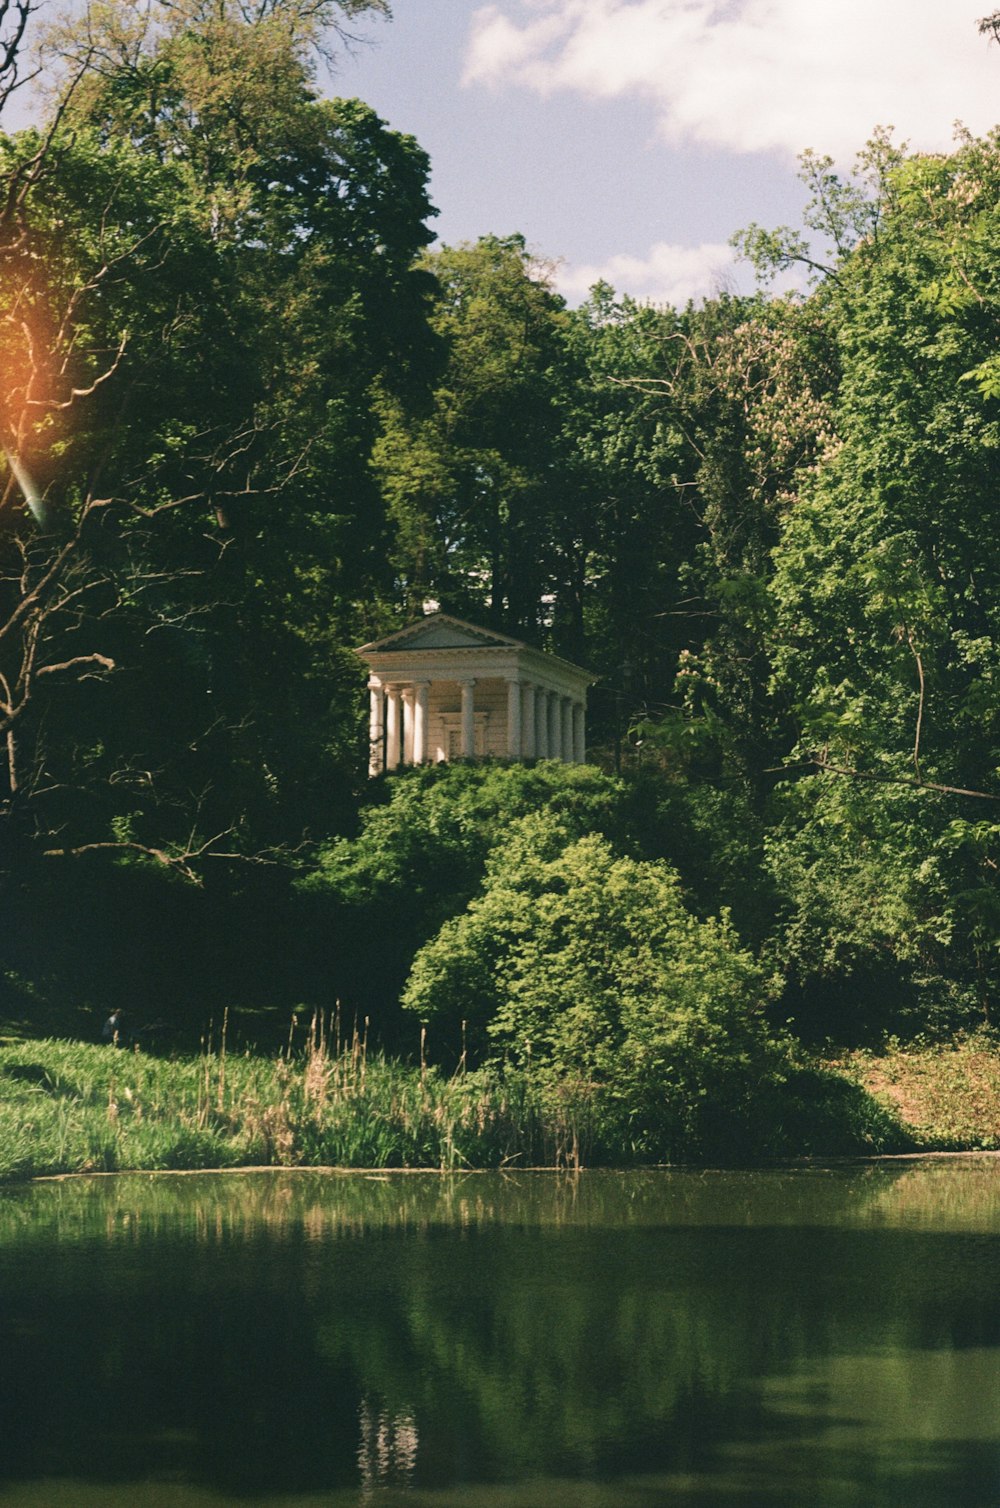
{"x": 72, "y": 1107}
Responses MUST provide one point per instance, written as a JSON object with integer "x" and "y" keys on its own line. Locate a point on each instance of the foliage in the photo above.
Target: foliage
{"x": 243, "y": 297}
{"x": 590, "y": 966}
{"x": 429, "y": 830}
{"x": 885, "y": 598}
{"x": 696, "y": 433}
{"x": 477, "y": 485}
{"x": 419, "y": 858}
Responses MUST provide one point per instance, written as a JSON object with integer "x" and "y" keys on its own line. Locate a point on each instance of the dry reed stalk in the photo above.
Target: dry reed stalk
{"x": 316, "y": 1074}
{"x": 220, "y": 1099}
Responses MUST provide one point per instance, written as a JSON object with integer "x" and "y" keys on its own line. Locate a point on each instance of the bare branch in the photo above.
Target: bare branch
{"x": 92, "y": 659}
{"x": 14, "y": 17}
{"x": 82, "y": 392}
{"x": 180, "y": 861}
{"x": 827, "y": 768}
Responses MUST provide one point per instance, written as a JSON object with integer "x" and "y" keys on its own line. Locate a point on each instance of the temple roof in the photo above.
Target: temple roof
{"x": 442, "y": 631}
{"x": 440, "y": 634}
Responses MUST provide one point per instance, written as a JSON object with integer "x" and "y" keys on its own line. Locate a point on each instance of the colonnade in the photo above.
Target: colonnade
{"x": 398, "y": 716}
{"x": 541, "y": 723}
{"x": 544, "y": 724}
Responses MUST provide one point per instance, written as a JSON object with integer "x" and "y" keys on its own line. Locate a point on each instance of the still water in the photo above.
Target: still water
{"x": 610, "y": 1340}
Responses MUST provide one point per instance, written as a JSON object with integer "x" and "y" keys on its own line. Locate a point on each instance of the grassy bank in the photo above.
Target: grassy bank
{"x": 73, "y": 1107}
{"x": 946, "y": 1096}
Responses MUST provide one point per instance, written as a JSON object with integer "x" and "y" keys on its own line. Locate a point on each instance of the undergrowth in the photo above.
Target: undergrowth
{"x": 73, "y": 1107}
{"x": 947, "y": 1095}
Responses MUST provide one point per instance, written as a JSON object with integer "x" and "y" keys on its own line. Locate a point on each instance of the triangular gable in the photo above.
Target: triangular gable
{"x": 441, "y": 631}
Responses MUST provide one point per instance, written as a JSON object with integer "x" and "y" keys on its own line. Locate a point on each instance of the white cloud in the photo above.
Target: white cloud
{"x": 668, "y": 275}
{"x": 755, "y": 75}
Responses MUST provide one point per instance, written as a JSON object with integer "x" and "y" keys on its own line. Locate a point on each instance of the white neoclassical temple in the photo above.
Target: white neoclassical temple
{"x": 443, "y": 689}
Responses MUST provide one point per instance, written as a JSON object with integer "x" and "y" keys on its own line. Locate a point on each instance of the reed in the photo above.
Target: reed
{"x": 72, "y": 1107}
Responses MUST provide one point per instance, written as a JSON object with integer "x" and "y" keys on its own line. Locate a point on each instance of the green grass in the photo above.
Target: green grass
{"x": 71, "y": 1107}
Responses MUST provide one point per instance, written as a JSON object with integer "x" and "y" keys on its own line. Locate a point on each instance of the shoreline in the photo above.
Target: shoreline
{"x": 384, "y": 1175}
{"x": 75, "y": 1110}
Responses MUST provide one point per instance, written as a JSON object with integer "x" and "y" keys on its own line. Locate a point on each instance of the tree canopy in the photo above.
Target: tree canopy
{"x": 250, "y": 416}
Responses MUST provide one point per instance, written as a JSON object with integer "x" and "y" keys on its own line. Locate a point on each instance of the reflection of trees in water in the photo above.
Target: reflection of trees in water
{"x": 447, "y": 1327}
{"x": 951, "y": 1194}
{"x": 387, "y": 1451}
{"x": 576, "y": 1350}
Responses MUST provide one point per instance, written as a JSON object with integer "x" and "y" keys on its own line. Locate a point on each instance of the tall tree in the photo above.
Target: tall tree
{"x": 207, "y": 270}
{"x": 223, "y": 420}
{"x": 887, "y": 636}
{"x": 477, "y": 484}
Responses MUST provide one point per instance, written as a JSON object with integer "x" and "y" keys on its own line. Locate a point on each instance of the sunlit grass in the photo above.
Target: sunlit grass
{"x": 72, "y": 1107}
{"x": 947, "y": 1095}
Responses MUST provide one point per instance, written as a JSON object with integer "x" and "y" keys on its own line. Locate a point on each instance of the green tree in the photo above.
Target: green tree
{"x": 113, "y": 305}
{"x": 419, "y": 857}
{"x": 218, "y": 417}
{"x": 217, "y": 266}
{"x": 590, "y": 966}
{"x": 476, "y": 486}
{"x": 885, "y": 593}
{"x": 632, "y": 467}
{"x": 696, "y": 428}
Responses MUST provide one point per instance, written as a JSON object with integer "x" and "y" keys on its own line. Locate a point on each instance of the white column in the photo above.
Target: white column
{"x": 542, "y": 722}
{"x": 407, "y": 694}
{"x": 392, "y": 727}
{"x": 375, "y": 752}
{"x": 555, "y": 727}
{"x": 513, "y": 719}
{"x": 468, "y": 743}
{"x": 420, "y": 689}
{"x": 580, "y": 733}
{"x": 528, "y": 721}
{"x": 566, "y": 708}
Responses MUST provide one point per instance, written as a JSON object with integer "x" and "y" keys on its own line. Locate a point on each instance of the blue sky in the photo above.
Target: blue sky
{"x": 629, "y": 138}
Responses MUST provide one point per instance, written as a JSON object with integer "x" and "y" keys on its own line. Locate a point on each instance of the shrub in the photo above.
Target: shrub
{"x": 589, "y": 966}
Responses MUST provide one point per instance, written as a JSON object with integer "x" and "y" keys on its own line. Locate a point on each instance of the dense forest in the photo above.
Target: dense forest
{"x": 251, "y": 417}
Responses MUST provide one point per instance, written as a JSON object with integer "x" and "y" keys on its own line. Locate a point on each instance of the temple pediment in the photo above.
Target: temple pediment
{"x": 440, "y": 631}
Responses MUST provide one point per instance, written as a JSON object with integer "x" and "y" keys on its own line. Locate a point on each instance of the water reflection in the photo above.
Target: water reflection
{"x": 957, "y": 1194}
{"x": 604, "y": 1339}
{"x": 387, "y": 1454}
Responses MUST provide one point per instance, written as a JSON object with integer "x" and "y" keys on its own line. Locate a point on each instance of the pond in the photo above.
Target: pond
{"x": 604, "y": 1340}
